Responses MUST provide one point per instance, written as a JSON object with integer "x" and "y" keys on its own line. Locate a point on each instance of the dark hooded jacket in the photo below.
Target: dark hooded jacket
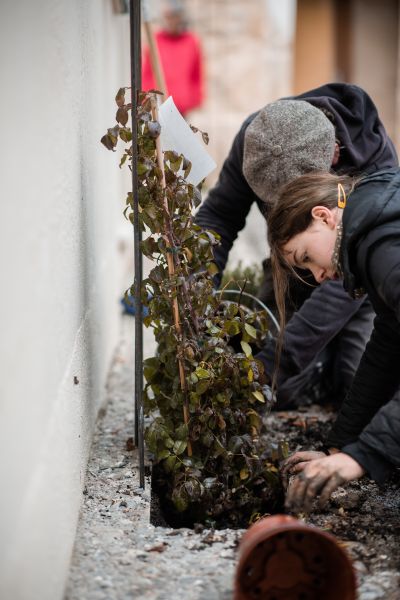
{"x": 365, "y": 148}
{"x": 370, "y": 259}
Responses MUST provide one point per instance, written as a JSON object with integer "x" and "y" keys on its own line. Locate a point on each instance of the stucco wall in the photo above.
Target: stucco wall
{"x": 61, "y": 272}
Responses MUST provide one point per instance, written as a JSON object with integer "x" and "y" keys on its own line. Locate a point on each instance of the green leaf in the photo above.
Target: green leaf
{"x": 169, "y": 442}
{"x": 207, "y": 438}
{"x": 202, "y": 373}
{"x": 187, "y": 168}
{"x": 251, "y": 330}
{"x": 169, "y": 463}
{"x": 182, "y": 432}
{"x": 213, "y": 330}
{"x": 180, "y": 499}
{"x": 151, "y": 367}
{"x": 109, "y": 141}
{"x": 210, "y": 482}
{"x": 164, "y": 453}
{"x": 171, "y": 156}
{"x": 212, "y": 268}
{"x": 246, "y": 349}
{"x": 147, "y": 321}
{"x": 254, "y": 418}
{"x": 179, "y": 447}
{"x": 202, "y": 386}
{"x": 232, "y": 310}
{"x": 232, "y": 327}
{"x": 194, "y": 399}
{"x": 123, "y": 159}
{"x": 176, "y": 165}
{"x": 125, "y": 134}
{"x": 142, "y": 168}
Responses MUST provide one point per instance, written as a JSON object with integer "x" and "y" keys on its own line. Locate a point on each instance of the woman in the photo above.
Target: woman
{"x": 313, "y": 227}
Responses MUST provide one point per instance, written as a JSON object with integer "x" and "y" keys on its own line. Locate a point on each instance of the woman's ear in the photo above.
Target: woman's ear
{"x": 324, "y": 214}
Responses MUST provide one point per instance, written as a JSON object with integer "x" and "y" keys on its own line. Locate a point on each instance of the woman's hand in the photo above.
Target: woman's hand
{"x": 297, "y": 462}
{"x": 319, "y": 476}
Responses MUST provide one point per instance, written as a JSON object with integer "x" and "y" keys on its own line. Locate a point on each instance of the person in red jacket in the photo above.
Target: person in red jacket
{"x": 181, "y": 60}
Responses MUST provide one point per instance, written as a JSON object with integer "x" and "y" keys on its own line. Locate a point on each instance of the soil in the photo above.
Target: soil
{"x": 120, "y": 554}
{"x": 364, "y": 516}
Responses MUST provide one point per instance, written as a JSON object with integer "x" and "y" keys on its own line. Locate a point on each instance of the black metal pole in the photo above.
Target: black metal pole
{"x": 135, "y": 43}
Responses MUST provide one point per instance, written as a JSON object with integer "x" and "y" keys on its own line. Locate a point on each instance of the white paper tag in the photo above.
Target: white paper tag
{"x": 176, "y": 135}
{"x": 147, "y": 11}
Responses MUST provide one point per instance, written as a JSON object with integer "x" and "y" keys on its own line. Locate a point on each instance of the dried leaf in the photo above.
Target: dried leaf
{"x": 122, "y": 115}
{"x": 244, "y": 474}
{"x": 120, "y": 97}
{"x": 258, "y": 395}
{"x": 159, "y": 547}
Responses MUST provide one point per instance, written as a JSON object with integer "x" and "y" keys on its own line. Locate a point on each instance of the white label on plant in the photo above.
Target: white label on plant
{"x": 176, "y": 135}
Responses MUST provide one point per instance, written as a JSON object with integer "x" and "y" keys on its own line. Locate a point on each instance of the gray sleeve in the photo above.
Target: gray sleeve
{"x": 311, "y": 328}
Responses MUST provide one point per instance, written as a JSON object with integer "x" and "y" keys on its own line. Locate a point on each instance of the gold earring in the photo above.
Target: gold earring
{"x": 341, "y": 201}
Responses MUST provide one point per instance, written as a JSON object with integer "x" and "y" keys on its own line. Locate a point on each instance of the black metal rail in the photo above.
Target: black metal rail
{"x": 135, "y": 49}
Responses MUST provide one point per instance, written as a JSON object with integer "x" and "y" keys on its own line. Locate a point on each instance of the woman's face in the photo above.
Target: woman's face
{"x": 313, "y": 248}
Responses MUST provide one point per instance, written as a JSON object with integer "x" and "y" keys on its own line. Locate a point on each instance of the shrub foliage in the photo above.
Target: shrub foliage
{"x": 203, "y": 399}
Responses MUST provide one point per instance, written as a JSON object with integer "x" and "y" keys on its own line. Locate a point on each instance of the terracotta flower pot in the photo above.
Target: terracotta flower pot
{"x": 281, "y": 558}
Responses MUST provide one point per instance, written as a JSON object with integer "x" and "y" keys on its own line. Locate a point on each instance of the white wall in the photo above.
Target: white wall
{"x": 61, "y": 274}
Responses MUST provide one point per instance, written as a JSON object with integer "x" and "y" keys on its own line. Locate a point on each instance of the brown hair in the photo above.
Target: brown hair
{"x": 289, "y": 216}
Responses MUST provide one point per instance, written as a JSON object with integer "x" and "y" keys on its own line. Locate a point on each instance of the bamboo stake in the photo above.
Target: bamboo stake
{"x": 171, "y": 272}
{"x": 155, "y": 60}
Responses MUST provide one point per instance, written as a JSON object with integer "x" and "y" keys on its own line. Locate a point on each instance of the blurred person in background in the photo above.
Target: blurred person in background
{"x": 335, "y": 127}
{"x": 181, "y": 60}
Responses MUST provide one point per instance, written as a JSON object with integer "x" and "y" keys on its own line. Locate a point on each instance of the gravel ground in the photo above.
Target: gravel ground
{"x": 120, "y": 555}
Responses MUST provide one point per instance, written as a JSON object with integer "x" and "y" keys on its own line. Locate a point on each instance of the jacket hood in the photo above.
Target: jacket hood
{"x": 364, "y": 144}
{"x": 374, "y": 202}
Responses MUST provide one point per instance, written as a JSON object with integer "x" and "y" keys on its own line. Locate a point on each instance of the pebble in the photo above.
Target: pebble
{"x": 347, "y": 499}
{"x": 371, "y": 591}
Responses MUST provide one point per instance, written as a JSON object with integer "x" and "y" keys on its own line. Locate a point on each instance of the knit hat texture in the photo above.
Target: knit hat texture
{"x": 287, "y": 138}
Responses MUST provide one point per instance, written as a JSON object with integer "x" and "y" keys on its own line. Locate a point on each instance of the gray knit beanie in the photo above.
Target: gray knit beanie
{"x": 287, "y": 138}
